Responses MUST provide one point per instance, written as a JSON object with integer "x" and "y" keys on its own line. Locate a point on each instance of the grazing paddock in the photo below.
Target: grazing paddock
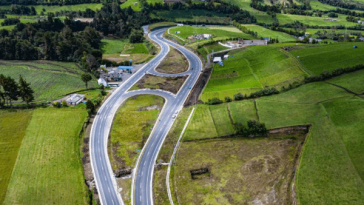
{"x": 318, "y": 58}
{"x": 48, "y": 169}
{"x": 252, "y": 69}
{"x": 12, "y": 130}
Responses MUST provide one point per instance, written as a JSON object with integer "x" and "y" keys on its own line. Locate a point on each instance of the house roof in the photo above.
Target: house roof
{"x": 217, "y": 59}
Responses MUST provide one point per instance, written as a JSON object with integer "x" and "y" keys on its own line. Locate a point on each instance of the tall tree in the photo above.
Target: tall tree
{"x": 86, "y": 77}
{"x": 11, "y": 91}
{"x": 25, "y": 91}
{"x": 2, "y": 92}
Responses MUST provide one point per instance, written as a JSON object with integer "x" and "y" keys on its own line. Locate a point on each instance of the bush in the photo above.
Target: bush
{"x": 228, "y": 99}
{"x": 238, "y": 96}
{"x": 64, "y": 103}
{"x": 90, "y": 107}
{"x": 214, "y": 101}
{"x": 56, "y": 104}
{"x": 253, "y": 129}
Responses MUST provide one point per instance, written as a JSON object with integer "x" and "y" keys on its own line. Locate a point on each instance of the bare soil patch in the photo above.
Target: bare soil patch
{"x": 171, "y": 84}
{"x": 238, "y": 170}
{"x": 198, "y": 88}
{"x": 175, "y": 62}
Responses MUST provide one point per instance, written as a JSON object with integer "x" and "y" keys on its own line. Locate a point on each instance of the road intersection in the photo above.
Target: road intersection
{"x": 142, "y": 191}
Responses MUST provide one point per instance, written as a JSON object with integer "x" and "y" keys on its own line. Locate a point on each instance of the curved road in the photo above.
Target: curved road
{"x": 142, "y": 192}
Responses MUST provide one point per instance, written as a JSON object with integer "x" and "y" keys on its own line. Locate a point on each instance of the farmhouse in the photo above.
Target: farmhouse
{"x": 75, "y": 99}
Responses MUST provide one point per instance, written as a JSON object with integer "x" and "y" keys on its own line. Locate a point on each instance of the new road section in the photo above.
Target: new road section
{"x": 142, "y": 192}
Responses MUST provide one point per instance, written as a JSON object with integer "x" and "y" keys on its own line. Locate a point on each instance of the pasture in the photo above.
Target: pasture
{"x": 318, "y": 58}
{"x": 313, "y": 21}
{"x": 12, "y": 130}
{"x": 193, "y": 15}
{"x": 330, "y": 168}
{"x": 50, "y": 80}
{"x": 265, "y": 32}
{"x": 135, "y": 4}
{"x": 221, "y": 31}
{"x": 48, "y": 168}
{"x": 251, "y": 69}
{"x": 112, "y": 46}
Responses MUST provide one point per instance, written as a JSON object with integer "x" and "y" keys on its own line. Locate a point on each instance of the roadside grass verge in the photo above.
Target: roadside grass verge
{"x": 251, "y": 69}
{"x": 131, "y": 128}
{"x": 318, "y": 58}
{"x": 201, "y": 125}
{"x": 49, "y": 79}
{"x": 175, "y": 62}
{"x": 12, "y": 130}
{"x": 48, "y": 169}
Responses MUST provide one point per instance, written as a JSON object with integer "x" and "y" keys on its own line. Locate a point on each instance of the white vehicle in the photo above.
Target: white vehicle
{"x": 174, "y": 116}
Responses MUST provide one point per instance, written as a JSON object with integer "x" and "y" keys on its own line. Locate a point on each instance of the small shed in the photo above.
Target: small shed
{"x": 207, "y": 36}
{"x": 217, "y": 59}
{"x": 226, "y": 56}
{"x": 75, "y": 99}
{"x": 102, "y": 81}
{"x": 180, "y": 24}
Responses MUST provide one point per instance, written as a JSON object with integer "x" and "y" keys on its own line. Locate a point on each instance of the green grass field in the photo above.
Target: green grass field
{"x": 112, "y": 46}
{"x": 329, "y": 57}
{"x": 223, "y": 31}
{"x": 49, "y": 79}
{"x": 264, "y": 32}
{"x": 331, "y": 166}
{"x": 313, "y": 21}
{"x": 252, "y": 69}
{"x": 161, "y": 24}
{"x": 48, "y": 169}
{"x": 136, "y": 48}
{"x": 135, "y": 4}
{"x": 12, "y": 130}
{"x": 198, "y": 16}
{"x": 132, "y": 126}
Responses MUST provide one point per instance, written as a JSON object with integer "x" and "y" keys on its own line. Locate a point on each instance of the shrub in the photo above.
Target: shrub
{"x": 64, "y": 103}
{"x": 56, "y": 104}
{"x": 253, "y": 129}
{"x": 238, "y": 96}
{"x": 214, "y": 101}
{"x": 90, "y": 107}
{"x": 228, "y": 99}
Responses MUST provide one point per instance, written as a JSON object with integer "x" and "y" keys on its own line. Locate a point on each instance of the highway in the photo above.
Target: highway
{"x": 142, "y": 191}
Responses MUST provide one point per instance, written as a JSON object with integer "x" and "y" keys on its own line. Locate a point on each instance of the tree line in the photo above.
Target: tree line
{"x": 49, "y": 3}
{"x": 11, "y": 90}
{"x": 343, "y": 4}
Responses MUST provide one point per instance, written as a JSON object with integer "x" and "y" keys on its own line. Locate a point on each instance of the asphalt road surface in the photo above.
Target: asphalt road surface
{"x": 142, "y": 192}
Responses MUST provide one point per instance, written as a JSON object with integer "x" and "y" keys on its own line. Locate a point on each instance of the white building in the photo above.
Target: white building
{"x": 217, "y": 59}
{"x": 207, "y": 36}
{"x": 226, "y": 56}
{"x": 180, "y": 24}
{"x": 102, "y": 81}
{"x": 75, "y": 99}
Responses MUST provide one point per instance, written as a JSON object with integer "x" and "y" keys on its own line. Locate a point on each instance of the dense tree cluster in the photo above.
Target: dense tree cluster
{"x": 10, "y": 90}
{"x": 327, "y": 75}
{"x": 10, "y": 21}
{"x": 47, "y": 2}
{"x": 234, "y": 12}
{"x": 352, "y": 19}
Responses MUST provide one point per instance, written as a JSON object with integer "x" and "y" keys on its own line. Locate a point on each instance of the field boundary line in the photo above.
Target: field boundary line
{"x": 297, "y": 62}
{"x": 172, "y": 157}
